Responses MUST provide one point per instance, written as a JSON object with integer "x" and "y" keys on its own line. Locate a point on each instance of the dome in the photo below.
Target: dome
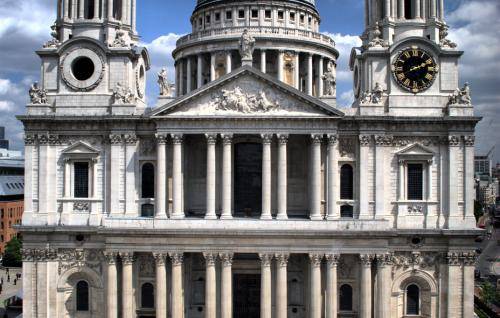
{"x": 201, "y": 3}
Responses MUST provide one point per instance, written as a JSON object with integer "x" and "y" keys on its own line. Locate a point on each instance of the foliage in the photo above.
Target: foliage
{"x": 12, "y": 256}
{"x": 489, "y": 294}
{"x": 478, "y": 210}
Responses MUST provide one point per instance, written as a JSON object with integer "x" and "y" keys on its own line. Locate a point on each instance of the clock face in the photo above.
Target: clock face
{"x": 415, "y": 70}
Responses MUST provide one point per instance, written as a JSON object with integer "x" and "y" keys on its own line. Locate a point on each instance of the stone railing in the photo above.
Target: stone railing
{"x": 256, "y": 31}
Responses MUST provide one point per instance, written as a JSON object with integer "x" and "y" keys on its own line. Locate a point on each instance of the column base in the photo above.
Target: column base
{"x": 282, "y": 217}
{"x": 178, "y": 217}
{"x": 266, "y": 217}
{"x": 332, "y": 218}
{"x": 211, "y": 217}
{"x": 226, "y": 217}
{"x": 316, "y": 218}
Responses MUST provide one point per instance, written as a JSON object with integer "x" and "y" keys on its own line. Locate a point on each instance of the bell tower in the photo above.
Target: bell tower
{"x": 93, "y": 64}
{"x": 406, "y": 66}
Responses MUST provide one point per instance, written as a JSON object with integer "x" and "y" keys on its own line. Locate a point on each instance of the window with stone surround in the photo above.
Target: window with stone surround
{"x": 415, "y": 173}
{"x": 346, "y": 182}
{"x": 147, "y": 296}
{"x": 415, "y": 181}
{"x": 81, "y": 179}
{"x": 413, "y": 300}
{"x": 82, "y": 296}
{"x": 345, "y": 297}
{"x": 89, "y": 9}
{"x": 148, "y": 181}
{"x": 80, "y": 170}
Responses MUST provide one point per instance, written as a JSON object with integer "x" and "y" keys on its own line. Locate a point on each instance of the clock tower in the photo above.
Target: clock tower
{"x": 406, "y": 66}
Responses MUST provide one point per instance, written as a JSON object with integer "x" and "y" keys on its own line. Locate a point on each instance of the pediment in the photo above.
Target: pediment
{"x": 81, "y": 149}
{"x": 416, "y": 151}
{"x": 246, "y": 92}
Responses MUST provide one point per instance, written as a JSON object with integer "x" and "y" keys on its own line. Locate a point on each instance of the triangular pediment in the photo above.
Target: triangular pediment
{"x": 82, "y": 149}
{"x": 416, "y": 150}
{"x": 246, "y": 92}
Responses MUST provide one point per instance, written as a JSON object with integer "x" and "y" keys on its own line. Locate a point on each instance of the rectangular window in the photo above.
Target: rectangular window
{"x": 281, "y": 15}
{"x": 217, "y": 16}
{"x": 268, "y": 14}
{"x": 207, "y": 19}
{"x": 415, "y": 182}
{"x": 81, "y": 171}
{"x": 302, "y": 19}
{"x": 292, "y": 17}
{"x": 229, "y": 15}
{"x": 241, "y": 14}
{"x": 255, "y": 14}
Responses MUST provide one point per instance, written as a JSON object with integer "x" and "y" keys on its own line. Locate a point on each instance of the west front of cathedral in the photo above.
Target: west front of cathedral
{"x": 246, "y": 191}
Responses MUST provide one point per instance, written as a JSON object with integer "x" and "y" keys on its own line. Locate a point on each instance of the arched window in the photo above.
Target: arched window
{"x": 148, "y": 181}
{"x": 147, "y": 296}
{"x": 89, "y": 9}
{"x": 413, "y": 300}
{"x": 345, "y": 303}
{"x": 147, "y": 211}
{"x": 346, "y": 182}
{"x": 82, "y": 296}
{"x": 346, "y": 211}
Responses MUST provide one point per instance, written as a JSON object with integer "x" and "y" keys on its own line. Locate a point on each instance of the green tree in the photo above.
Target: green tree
{"x": 12, "y": 256}
{"x": 489, "y": 294}
{"x": 478, "y": 210}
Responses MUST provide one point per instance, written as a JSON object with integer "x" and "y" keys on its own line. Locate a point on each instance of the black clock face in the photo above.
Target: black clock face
{"x": 415, "y": 70}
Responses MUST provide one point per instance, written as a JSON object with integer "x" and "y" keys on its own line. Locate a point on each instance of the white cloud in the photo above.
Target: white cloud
{"x": 6, "y": 106}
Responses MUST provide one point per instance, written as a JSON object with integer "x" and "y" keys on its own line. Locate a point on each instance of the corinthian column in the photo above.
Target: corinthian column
{"x": 332, "y": 261}
{"x": 227, "y": 176}
{"x": 265, "y": 289}
{"x": 161, "y": 176}
{"x": 310, "y": 74}
{"x": 384, "y": 282}
{"x": 199, "y": 70}
{"x": 161, "y": 285}
{"x": 211, "y": 141}
{"x": 177, "y": 288}
{"x": 281, "y": 285}
{"x": 127, "y": 285}
{"x": 315, "y": 296}
{"x": 281, "y": 57}
{"x": 177, "y": 210}
{"x": 227, "y": 285}
{"x": 263, "y": 61}
{"x": 316, "y": 177}
{"x": 266, "y": 177}
{"x": 333, "y": 167}
{"x": 366, "y": 286}
{"x": 210, "y": 285}
{"x": 111, "y": 285}
{"x": 282, "y": 177}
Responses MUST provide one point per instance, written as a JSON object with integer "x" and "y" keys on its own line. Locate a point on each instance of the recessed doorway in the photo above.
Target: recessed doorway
{"x": 246, "y": 298}
{"x": 248, "y": 179}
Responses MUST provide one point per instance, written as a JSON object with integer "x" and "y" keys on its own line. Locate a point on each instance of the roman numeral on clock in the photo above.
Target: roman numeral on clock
{"x": 429, "y": 76}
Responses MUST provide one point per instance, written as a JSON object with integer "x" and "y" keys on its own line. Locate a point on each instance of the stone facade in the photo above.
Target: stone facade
{"x": 249, "y": 194}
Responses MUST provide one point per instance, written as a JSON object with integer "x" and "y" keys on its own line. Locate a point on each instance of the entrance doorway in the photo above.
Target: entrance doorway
{"x": 248, "y": 179}
{"x": 246, "y": 298}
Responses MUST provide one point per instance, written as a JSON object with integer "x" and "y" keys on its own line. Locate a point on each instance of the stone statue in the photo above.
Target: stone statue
{"x": 377, "y": 93}
{"x": 461, "y": 96}
{"x": 38, "y": 95}
{"x": 377, "y": 41}
{"x": 120, "y": 39}
{"x": 122, "y": 95}
{"x": 330, "y": 80}
{"x": 247, "y": 46}
{"x": 165, "y": 87}
{"x": 236, "y": 100}
{"x": 365, "y": 97}
{"x": 443, "y": 33}
{"x": 55, "y": 38}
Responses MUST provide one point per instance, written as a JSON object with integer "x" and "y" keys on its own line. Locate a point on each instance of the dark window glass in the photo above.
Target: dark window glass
{"x": 217, "y": 16}
{"x": 241, "y": 14}
{"x": 346, "y": 182}
{"x": 89, "y": 9}
{"x": 281, "y": 15}
{"x": 268, "y": 14}
{"x": 147, "y": 210}
{"x": 81, "y": 170}
{"x": 229, "y": 15}
{"x": 346, "y": 298}
{"x": 148, "y": 181}
{"x": 408, "y": 9}
{"x": 82, "y": 296}
{"x": 117, "y": 9}
{"x": 255, "y": 14}
{"x": 346, "y": 211}
{"x": 207, "y": 19}
{"x": 147, "y": 296}
{"x": 412, "y": 300}
{"x": 415, "y": 182}
{"x": 292, "y": 17}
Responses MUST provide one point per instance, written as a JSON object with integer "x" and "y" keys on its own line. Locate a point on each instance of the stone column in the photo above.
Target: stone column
{"x": 111, "y": 285}
{"x": 333, "y": 177}
{"x": 401, "y": 6}
{"x": 367, "y": 14}
{"x": 366, "y": 286}
{"x": 161, "y": 285}
{"x": 227, "y": 159}
{"x": 281, "y": 57}
{"x": 441, "y": 10}
{"x": 161, "y": 175}
{"x": 134, "y": 15}
{"x": 469, "y": 262}
{"x": 213, "y": 56}
{"x": 177, "y": 286}
{"x": 29, "y": 284}
{"x": 210, "y": 286}
{"x": 469, "y": 191}
{"x": 320, "y": 77}
{"x": 227, "y": 285}
{"x": 96, "y": 9}
{"x": 66, "y": 9}
{"x": 200, "y": 71}
{"x": 177, "y": 182}
{"x": 263, "y": 61}
{"x": 296, "y": 70}
{"x": 110, "y": 9}
{"x": 229, "y": 62}
{"x": 180, "y": 91}
{"x": 332, "y": 261}
{"x": 127, "y": 285}
{"x": 211, "y": 141}
{"x": 380, "y": 176}
{"x": 281, "y": 285}
{"x": 189, "y": 72}
{"x": 310, "y": 74}
{"x": 454, "y": 217}
{"x": 265, "y": 285}
{"x": 130, "y": 163}
{"x": 364, "y": 148}
{"x": 116, "y": 142}
{"x": 384, "y": 282}
{"x": 315, "y": 296}
{"x": 124, "y": 12}
{"x": 316, "y": 177}
{"x": 433, "y": 8}
{"x": 417, "y": 9}
{"x": 81, "y": 9}
{"x": 454, "y": 299}
{"x": 282, "y": 177}
{"x": 388, "y": 8}
{"x": 266, "y": 177}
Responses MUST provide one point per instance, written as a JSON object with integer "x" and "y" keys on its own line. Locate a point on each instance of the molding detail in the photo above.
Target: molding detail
{"x": 282, "y": 259}
{"x": 177, "y": 258}
{"x": 469, "y": 141}
{"x": 454, "y": 141}
{"x": 366, "y": 259}
{"x": 365, "y": 140}
{"x": 210, "y": 258}
{"x": 332, "y": 259}
{"x": 315, "y": 259}
{"x": 265, "y": 259}
{"x": 226, "y": 258}
{"x": 160, "y": 258}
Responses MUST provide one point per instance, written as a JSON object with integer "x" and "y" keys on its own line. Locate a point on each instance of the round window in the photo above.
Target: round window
{"x": 83, "y": 68}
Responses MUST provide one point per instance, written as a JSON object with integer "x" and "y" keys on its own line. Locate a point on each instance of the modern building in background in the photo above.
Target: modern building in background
{"x": 4, "y": 144}
{"x": 250, "y": 193}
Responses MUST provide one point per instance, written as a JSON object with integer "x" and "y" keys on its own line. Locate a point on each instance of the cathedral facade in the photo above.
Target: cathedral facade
{"x": 245, "y": 191}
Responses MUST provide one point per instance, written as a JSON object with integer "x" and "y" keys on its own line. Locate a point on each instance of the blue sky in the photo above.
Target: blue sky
{"x": 24, "y": 27}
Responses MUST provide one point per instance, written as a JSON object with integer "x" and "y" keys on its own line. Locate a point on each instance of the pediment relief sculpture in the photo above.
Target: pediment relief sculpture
{"x": 236, "y": 100}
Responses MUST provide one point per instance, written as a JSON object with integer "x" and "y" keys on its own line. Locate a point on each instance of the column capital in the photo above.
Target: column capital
{"x": 332, "y": 259}
{"x": 227, "y": 139}
{"x": 282, "y": 259}
{"x": 177, "y": 139}
{"x": 265, "y": 259}
{"x": 317, "y": 138}
{"x": 161, "y": 139}
{"x": 283, "y": 139}
{"x": 332, "y": 139}
{"x": 384, "y": 259}
{"x": 110, "y": 257}
{"x": 469, "y": 140}
{"x": 366, "y": 259}
{"x": 315, "y": 259}
{"x": 454, "y": 140}
{"x": 177, "y": 258}
{"x": 211, "y": 139}
{"x": 469, "y": 258}
{"x": 210, "y": 258}
{"x": 384, "y": 140}
{"x": 365, "y": 140}
{"x": 127, "y": 258}
{"x": 115, "y": 139}
{"x": 267, "y": 138}
{"x": 160, "y": 258}
{"x": 226, "y": 258}
{"x": 130, "y": 139}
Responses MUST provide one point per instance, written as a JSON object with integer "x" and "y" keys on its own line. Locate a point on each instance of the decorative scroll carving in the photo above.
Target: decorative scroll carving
{"x": 38, "y": 255}
{"x": 384, "y": 140}
{"x": 265, "y": 259}
{"x": 461, "y": 96}
{"x": 454, "y": 141}
{"x": 81, "y": 206}
{"x": 282, "y": 139}
{"x": 70, "y": 258}
{"x": 115, "y": 139}
{"x": 127, "y": 258}
{"x": 227, "y": 139}
{"x": 316, "y": 138}
{"x": 282, "y": 259}
{"x": 177, "y": 139}
{"x": 384, "y": 259}
{"x": 267, "y": 139}
{"x": 161, "y": 139}
{"x": 469, "y": 141}
{"x": 177, "y": 258}
{"x": 147, "y": 265}
{"x": 366, "y": 259}
{"x": 246, "y": 46}
{"x": 415, "y": 209}
{"x": 332, "y": 259}
{"x": 453, "y": 258}
{"x": 469, "y": 258}
{"x": 332, "y": 140}
{"x": 226, "y": 258}
{"x": 147, "y": 146}
{"x": 210, "y": 258}
{"x": 211, "y": 139}
{"x": 160, "y": 258}
{"x": 29, "y": 140}
{"x": 38, "y": 95}
{"x": 236, "y": 100}
{"x": 110, "y": 257}
{"x": 130, "y": 139}
{"x": 402, "y": 141}
{"x": 315, "y": 259}
{"x": 347, "y": 146}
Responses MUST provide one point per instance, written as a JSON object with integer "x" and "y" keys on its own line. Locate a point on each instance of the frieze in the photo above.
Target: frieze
{"x": 79, "y": 258}
{"x": 38, "y": 255}
{"x": 81, "y": 206}
{"x": 415, "y": 209}
{"x": 347, "y": 146}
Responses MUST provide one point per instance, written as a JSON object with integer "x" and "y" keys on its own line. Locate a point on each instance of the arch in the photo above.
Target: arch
{"x": 148, "y": 181}
{"x": 427, "y": 297}
{"x": 75, "y": 274}
{"x": 82, "y": 296}
{"x": 147, "y": 295}
{"x": 412, "y": 300}
{"x": 346, "y": 182}
{"x": 345, "y": 298}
